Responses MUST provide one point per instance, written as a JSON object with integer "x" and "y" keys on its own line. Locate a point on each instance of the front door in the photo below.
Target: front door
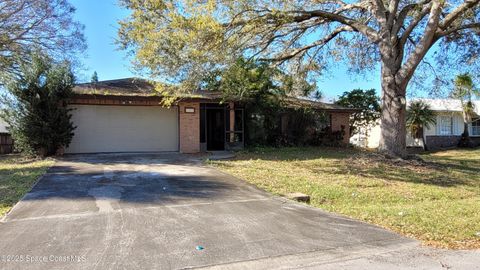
{"x": 215, "y": 129}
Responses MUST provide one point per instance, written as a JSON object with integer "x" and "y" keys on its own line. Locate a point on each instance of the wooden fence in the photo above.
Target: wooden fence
{"x": 6, "y": 143}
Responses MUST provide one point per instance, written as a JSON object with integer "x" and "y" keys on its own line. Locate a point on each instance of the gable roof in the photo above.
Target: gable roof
{"x": 143, "y": 88}
{"x": 447, "y": 105}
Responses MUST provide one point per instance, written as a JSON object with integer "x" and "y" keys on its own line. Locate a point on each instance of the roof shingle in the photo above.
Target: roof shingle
{"x": 144, "y": 88}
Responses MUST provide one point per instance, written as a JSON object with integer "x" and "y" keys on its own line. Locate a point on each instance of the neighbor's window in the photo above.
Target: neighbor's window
{"x": 476, "y": 127}
{"x": 446, "y": 125}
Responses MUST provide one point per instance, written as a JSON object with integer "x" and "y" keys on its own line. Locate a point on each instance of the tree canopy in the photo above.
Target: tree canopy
{"x": 37, "y": 25}
{"x": 369, "y": 105}
{"x": 182, "y": 41}
{"x": 245, "y": 79}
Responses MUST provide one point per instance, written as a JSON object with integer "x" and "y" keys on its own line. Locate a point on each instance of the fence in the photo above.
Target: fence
{"x": 6, "y": 143}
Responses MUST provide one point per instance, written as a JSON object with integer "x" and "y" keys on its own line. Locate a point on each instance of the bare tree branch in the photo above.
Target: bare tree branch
{"x": 424, "y": 45}
{"x": 358, "y": 26}
{"x": 400, "y": 19}
{"x": 450, "y": 31}
{"x": 408, "y": 31}
{"x": 321, "y": 42}
{"x": 47, "y": 25}
{"x": 459, "y": 11}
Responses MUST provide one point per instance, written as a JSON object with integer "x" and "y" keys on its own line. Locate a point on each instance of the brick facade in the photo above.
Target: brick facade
{"x": 442, "y": 142}
{"x": 339, "y": 120}
{"x": 189, "y": 124}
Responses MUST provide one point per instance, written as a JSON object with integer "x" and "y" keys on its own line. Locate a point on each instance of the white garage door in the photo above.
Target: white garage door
{"x": 124, "y": 129}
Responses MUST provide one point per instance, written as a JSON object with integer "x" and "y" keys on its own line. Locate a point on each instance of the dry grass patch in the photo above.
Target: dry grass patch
{"x": 436, "y": 201}
{"x": 17, "y": 175}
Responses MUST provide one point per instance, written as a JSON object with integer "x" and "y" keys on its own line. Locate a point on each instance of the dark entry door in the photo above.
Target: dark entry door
{"x": 215, "y": 129}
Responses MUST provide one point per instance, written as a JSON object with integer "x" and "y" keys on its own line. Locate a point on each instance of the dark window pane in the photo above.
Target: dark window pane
{"x": 238, "y": 120}
{"x": 227, "y": 119}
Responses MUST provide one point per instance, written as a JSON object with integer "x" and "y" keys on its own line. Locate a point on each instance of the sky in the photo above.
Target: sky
{"x": 101, "y": 24}
{"x": 100, "y": 18}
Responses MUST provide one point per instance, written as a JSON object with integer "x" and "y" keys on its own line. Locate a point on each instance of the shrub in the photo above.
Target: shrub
{"x": 35, "y": 107}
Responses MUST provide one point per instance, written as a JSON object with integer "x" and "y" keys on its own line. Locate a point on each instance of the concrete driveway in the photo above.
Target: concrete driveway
{"x": 158, "y": 211}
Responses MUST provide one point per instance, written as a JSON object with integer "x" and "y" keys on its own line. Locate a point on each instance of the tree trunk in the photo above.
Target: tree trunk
{"x": 421, "y": 135}
{"x": 465, "y": 140}
{"x": 393, "y": 118}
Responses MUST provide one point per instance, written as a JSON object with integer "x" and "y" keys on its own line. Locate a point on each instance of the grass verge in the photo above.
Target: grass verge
{"x": 437, "y": 202}
{"x": 17, "y": 175}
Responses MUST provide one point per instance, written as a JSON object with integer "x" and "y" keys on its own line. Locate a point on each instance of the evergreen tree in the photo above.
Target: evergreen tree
{"x": 35, "y": 107}
{"x": 94, "y": 77}
{"x": 369, "y": 105}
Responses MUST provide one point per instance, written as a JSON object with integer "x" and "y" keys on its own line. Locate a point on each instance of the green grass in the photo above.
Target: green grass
{"x": 437, "y": 202}
{"x": 17, "y": 175}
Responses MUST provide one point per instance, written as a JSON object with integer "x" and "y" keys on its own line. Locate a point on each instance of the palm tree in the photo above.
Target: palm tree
{"x": 464, "y": 90}
{"x": 419, "y": 116}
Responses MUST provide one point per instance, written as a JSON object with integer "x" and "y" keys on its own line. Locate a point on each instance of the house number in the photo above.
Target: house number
{"x": 189, "y": 110}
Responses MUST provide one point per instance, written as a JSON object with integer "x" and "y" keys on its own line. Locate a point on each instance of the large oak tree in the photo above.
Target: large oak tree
{"x": 181, "y": 41}
{"x": 37, "y": 25}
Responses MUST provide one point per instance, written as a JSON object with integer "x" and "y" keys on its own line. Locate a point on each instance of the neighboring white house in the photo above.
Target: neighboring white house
{"x": 445, "y": 133}
{"x": 367, "y": 138}
{"x": 3, "y": 126}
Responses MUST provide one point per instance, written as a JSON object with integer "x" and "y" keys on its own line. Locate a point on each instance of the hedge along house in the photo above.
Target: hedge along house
{"x": 126, "y": 115}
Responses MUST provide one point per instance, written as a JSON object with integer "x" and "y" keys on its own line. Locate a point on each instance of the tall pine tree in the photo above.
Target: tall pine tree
{"x": 94, "y": 78}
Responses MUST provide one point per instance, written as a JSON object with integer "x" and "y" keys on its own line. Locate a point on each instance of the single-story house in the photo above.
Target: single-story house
{"x": 445, "y": 133}
{"x": 125, "y": 115}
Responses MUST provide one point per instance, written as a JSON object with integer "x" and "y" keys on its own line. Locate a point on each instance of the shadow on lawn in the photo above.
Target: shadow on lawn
{"x": 431, "y": 173}
{"x": 454, "y": 163}
{"x": 295, "y": 153}
{"x": 437, "y": 177}
{"x": 365, "y": 164}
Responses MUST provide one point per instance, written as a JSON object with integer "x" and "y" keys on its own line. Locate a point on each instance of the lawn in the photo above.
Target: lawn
{"x": 17, "y": 175}
{"x": 437, "y": 201}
